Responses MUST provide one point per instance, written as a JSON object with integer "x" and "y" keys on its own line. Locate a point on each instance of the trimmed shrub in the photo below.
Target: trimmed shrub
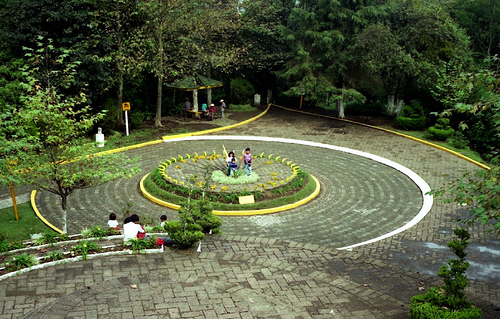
{"x": 203, "y": 216}
{"x": 410, "y": 118}
{"x": 183, "y": 234}
{"x": 421, "y": 308}
{"x": 442, "y": 130}
{"x": 448, "y": 301}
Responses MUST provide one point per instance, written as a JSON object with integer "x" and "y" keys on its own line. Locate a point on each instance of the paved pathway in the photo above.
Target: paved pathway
{"x": 284, "y": 265}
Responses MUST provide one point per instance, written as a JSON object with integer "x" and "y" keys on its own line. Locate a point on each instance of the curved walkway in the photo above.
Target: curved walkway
{"x": 279, "y": 265}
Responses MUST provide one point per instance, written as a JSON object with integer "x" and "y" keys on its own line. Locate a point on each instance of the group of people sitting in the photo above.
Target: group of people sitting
{"x": 208, "y": 112}
{"x": 132, "y": 229}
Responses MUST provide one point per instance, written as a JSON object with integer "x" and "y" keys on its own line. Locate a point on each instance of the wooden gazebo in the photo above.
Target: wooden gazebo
{"x": 194, "y": 83}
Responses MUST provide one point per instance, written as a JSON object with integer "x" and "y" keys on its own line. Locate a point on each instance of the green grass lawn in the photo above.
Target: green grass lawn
{"x": 28, "y": 223}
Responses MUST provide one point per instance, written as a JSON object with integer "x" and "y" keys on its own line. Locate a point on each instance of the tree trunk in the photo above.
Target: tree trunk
{"x": 120, "y": 101}
{"x": 390, "y": 105}
{"x": 209, "y": 97}
{"x": 340, "y": 106}
{"x": 269, "y": 96}
{"x": 64, "y": 213}
{"x": 158, "y": 101}
{"x": 399, "y": 106}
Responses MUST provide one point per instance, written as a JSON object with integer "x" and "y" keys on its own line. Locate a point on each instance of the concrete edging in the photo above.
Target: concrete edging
{"x": 77, "y": 258}
{"x": 236, "y": 212}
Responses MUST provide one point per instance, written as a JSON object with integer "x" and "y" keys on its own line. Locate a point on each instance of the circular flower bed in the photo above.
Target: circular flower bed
{"x": 275, "y": 181}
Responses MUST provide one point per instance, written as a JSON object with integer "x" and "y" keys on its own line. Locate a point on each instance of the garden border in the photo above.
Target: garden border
{"x": 427, "y": 199}
{"x": 236, "y": 212}
{"x": 78, "y": 258}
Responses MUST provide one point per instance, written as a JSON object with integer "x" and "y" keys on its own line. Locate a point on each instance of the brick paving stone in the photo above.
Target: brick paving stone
{"x": 283, "y": 265}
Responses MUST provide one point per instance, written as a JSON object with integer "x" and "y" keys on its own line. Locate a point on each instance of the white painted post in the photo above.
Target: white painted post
{"x": 99, "y": 138}
{"x": 126, "y": 122}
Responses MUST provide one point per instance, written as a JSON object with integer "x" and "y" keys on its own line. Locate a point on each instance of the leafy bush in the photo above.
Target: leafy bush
{"x": 202, "y": 213}
{"x": 242, "y": 108}
{"x": 136, "y": 118}
{"x": 98, "y": 232}
{"x": 21, "y": 261}
{"x": 242, "y": 91}
{"x": 114, "y": 135}
{"x": 16, "y": 245}
{"x": 410, "y": 118}
{"x": 442, "y": 130}
{"x": 421, "y": 308}
{"x": 183, "y": 234}
{"x": 64, "y": 237}
{"x": 482, "y": 134}
{"x": 458, "y": 140}
{"x": 53, "y": 256}
{"x": 139, "y": 245}
{"x": 46, "y": 238}
{"x": 4, "y": 245}
{"x": 83, "y": 247}
{"x": 448, "y": 301}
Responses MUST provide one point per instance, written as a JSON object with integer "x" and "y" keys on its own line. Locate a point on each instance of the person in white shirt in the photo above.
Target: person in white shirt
{"x": 132, "y": 229}
{"x": 163, "y": 219}
{"x": 112, "y": 222}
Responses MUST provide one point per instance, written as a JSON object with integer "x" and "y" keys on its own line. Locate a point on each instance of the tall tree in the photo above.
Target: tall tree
{"x": 481, "y": 19}
{"x": 403, "y": 50}
{"x": 64, "y": 21}
{"x": 384, "y": 60}
{"x": 117, "y": 25}
{"x": 48, "y": 144}
{"x": 167, "y": 40}
{"x": 261, "y": 22}
{"x": 320, "y": 33}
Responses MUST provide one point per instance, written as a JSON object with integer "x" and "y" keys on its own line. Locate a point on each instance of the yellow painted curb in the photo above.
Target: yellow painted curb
{"x": 126, "y": 148}
{"x": 238, "y": 212}
{"x": 37, "y": 212}
{"x": 393, "y": 132}
{"x": 169, "y": 137}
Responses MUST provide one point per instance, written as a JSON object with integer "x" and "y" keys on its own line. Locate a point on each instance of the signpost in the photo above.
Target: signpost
{"x": 126, "y": 108}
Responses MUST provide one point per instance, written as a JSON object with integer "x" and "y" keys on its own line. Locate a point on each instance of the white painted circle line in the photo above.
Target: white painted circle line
{"x": 419, "y": 181}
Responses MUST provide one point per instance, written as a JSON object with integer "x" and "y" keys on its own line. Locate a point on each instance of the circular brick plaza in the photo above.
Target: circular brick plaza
{"x": 360, "y": 198}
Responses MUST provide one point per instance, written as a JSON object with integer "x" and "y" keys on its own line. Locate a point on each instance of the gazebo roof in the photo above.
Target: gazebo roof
{"x": 194, "y": 82}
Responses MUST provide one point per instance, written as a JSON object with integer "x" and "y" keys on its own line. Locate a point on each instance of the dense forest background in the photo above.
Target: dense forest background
{"x": 430, "y": 63}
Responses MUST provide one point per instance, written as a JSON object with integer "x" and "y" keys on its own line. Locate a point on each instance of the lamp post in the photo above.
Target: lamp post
{"x": 302, "y": 91}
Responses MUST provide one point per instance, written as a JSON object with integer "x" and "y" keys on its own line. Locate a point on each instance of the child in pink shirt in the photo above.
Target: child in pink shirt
{"x": 247, "y": 160}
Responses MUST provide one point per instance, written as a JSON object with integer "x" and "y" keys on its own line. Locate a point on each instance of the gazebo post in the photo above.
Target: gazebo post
{"x": 195, "y": 100}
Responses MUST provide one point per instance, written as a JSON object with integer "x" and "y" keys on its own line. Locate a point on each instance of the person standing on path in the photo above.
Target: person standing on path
{"x": 247, "y": 160}
{"x": 222, "y": 108}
